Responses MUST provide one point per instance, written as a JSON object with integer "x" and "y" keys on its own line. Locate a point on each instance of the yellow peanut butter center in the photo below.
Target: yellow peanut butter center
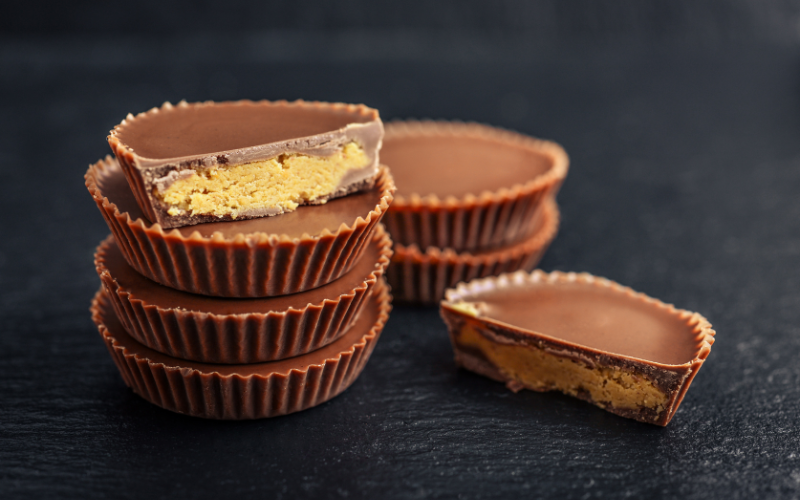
{"x": 271, "y": 186}
{"x": 540, "y": 370}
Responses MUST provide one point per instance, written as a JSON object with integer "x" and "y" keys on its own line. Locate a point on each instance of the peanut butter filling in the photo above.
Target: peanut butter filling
{"x": 537, "y": 369}
{"x": 266, "y": 187}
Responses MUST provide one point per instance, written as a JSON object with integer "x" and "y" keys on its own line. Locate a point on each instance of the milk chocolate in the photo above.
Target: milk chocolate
{"x": 585, "y": 336}
{"x": 467, "y": 186}
{"x": 166, "y": 144}
{"x": 421, "y": 277}
{"x": 244, "y": 391}
{"x": 223, "y": 330}
{"x": 260, "y": 257}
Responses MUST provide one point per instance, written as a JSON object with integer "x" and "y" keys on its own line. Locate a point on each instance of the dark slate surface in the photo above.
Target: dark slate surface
{"x": 684, "y": 185}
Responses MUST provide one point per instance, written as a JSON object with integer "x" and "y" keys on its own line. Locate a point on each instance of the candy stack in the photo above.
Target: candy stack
{"x": 472, "y": 201}
{"x": 244, "y": 274}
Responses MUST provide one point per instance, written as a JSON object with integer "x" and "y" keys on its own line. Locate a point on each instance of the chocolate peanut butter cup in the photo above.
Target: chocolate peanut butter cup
{"x": 209, "y": 162}
{"x": 245, "y": 391}
{"x": 467, "y": 186}
{"x": 588, "y": 337}
{"x": 261, "y": 257}
{"x": 225, "y": 330}
{"x": 422, "y": 277}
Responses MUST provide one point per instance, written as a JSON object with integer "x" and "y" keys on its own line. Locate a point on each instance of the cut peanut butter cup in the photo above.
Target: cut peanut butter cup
{"x": 260, "y": 257}
{"x": 467, "y": 186}
{"x": 209, "y": 162}
{"x": 245, "y": 391}
{"x": 422, "y": 277}
{"x": 585, "y": 336}
{"x": 226, "y": 330}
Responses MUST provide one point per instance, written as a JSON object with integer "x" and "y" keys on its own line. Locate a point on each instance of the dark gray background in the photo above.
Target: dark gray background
{"x": 682, "y": 122}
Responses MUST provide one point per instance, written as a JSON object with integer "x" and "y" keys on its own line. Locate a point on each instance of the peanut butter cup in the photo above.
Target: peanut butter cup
{"x": 225, "y": 330}
{"x": 209, "y": 162}
{"x": 243, "y": 391}
{"x": 467, "y": 186}
{"x": 587, "y": 337}
{"x": 260, "y": 257}
{"x": 422, "y": 277}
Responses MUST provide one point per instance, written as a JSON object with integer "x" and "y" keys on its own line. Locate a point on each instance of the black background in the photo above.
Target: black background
{"x": 682, "y": 122}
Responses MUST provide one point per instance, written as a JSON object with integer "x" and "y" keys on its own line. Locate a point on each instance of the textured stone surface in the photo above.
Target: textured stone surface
{"x": 684, "y": 185}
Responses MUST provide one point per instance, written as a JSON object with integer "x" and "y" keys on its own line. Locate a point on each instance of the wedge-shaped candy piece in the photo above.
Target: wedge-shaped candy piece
{"x": 585, "y": 336}
{"x": 208, "y": 162}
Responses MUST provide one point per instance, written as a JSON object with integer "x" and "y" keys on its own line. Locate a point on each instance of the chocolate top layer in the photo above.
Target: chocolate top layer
{"x": 593, "y": 316}
{"x": 205, "y": 128}
{"x": 152, "y": 293}
{"x": 457, "y": 165}
{"x": 311, "y": 220}
{"x": 363, "y": 325}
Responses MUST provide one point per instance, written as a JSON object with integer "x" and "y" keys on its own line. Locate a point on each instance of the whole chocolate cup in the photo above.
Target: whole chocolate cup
{"x": 247, "y": 265}
{"x": 239, "y": 392}
{"x": 186, "y": 331}
{"x": 673, "y": 379}
{"x": 483, "y": 219}
{"x": 420, "y": 277}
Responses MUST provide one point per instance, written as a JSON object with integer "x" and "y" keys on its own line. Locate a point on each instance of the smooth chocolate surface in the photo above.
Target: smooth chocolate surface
{"x": 194, "y": 130}
{"x": 311, "y": 220}
{"x": 459, "y": 165}
{"x": 152, "y": 293}
{"x": 361, "y": 328}
{"x": 231, "y": 133}
{"x": 596, "y": 317}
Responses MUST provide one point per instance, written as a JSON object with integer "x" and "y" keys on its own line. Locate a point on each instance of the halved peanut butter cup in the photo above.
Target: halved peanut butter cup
{"x": 422, "y": 277}
{"x": 467, "y": 186}
{"x": 585, "y": 336}
{"x": 213, "y": 161}
{"x": 246, "y": 391}
{"x": 261, "y": 257}
{"x": 226, "y": 330}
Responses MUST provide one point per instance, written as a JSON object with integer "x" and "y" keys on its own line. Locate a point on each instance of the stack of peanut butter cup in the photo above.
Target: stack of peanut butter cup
{"x": 244, "y": 274}
{"x": 472, "y": 201}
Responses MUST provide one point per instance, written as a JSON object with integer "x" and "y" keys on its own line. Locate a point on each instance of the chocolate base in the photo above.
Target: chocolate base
{"x": 260, "y": 257}
{"x": 238, "y": 331}
{"x": 419, "y": 277}
{"x": 249, "y": 391}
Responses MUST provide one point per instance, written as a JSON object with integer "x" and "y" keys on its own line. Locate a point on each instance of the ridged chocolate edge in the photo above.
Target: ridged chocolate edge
{"x": 127, "y": 158}
{"x": 422, "y": 277}
{"x": 674, "y": 380}
{"x": 240, "y": 338}
{"x": 480, "y": 221}
{"x": 237, "y": 397}
{"x": 247, "y": 266}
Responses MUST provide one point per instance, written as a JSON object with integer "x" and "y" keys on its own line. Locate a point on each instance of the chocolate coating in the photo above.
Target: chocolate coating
{"x": 600, "y": 318}
{"x": 185, "y": 131}
{"x": 459, "y": 165}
